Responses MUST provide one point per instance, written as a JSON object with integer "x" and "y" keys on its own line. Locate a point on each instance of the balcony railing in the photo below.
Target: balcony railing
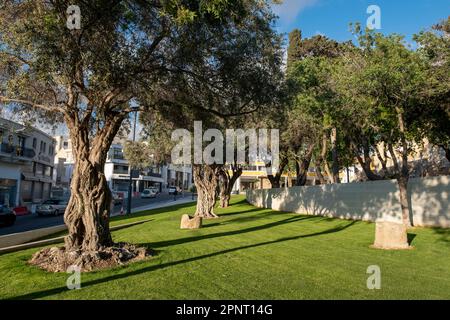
{"x": 120, "y": 171}
{"x": 152, "y": 174}
{"x": 118, "y": 156}
{"x": 17, "y": 151}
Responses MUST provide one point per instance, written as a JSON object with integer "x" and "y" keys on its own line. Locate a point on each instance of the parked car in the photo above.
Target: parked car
{"x": 148, "y": 193}
{"x": 117, "y": 198}
{"x": 156, "y": 189}
{"x": 7, "y": 216}
{"x": 172, "y": 190}
{"x": 21, "y": 211}
{"x": 52, "y": 207}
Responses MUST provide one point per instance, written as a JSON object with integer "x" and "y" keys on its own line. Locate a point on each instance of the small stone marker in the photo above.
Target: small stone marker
{"x": 391, "y": 235}
{"x": 188, "y": 222}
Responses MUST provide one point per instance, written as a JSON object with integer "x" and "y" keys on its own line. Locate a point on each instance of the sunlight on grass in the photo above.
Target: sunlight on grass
{"x": 249, "y": 253}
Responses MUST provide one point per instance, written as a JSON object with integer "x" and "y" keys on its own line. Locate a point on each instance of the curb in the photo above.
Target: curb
{"x": 59, "y": 239}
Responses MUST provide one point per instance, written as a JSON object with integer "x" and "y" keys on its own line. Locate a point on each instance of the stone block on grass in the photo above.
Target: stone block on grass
{"x": 390, "y": 235}
{"x": 188, "y": 222}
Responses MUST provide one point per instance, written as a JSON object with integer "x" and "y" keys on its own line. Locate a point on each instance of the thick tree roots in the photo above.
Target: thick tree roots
{"x": 59, "y": 260}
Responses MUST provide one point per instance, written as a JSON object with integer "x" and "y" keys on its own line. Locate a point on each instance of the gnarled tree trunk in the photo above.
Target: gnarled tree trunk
{"x": 87, "y": 215}
{"x": 274, "y": 179}
{"x": 89, "y": 244}
{"x": 322, "y": 159}
{"x": 226, "y": 183}
{"x": 334, "y": 153}
{"x": 404, "y": 170}
{"x": 302, "y": 166}
{"x": 205, "y": 179}
{"x": 365, "y": 162}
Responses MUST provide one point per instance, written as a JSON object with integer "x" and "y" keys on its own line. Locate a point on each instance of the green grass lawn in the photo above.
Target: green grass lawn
{"x": 248, "y": 253}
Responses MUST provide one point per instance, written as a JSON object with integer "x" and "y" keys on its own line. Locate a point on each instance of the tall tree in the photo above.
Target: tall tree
{"x": 388, "y": 81}
{"x": 433, "y": 112}
{"x": 242, "y": 66}
{"x": 314, "y": 105}
{"x": 310, "y": 62}
{"x": 317, "y": 46}
{"x": 88, "y": 77}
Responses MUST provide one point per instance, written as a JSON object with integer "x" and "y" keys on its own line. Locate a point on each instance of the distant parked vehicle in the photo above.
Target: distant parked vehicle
{"x": 172, "y": 190}
{"x": 148, "y": 193}
{"x": 156, "y": 189}
{"x": 117, "y": 198}
{"x": 52, "y": 207}
{"x": 7, "y": 216}
{"x": 21, "y": 211}
{"x": 59, "y": 193}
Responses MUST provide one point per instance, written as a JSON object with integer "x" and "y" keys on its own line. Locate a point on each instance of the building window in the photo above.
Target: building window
{"x": 118, "y": 154}
{"x": 26, "y": 191}
{"x": 43, "y": 147}
{"x": 34, "y": 143}
{"x": 37, "y": 192}
{"x": 8, "y": 192}
{"x": 48, "y": 171}
{"x": 65, "y": 144}
{"x": 21, "y": 142}
{"x": 46, "y": 191}
{"x": 39, "y": 169}
{"x": 120, "y": 169}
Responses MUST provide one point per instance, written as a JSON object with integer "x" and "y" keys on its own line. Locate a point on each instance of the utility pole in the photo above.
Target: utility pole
{"x": 130, "y": 171}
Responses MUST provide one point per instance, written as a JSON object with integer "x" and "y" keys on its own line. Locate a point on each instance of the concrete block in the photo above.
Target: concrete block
{"x": 390, "y": 235}
{"x": 188, "y": 222}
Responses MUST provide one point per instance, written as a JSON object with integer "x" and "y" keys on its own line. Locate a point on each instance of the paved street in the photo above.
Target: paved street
{"x": 33, "y": 221}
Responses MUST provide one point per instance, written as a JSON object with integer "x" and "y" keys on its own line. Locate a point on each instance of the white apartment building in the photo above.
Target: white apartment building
{"x": 117, "y": 171}
{"x": 26, "y": 164}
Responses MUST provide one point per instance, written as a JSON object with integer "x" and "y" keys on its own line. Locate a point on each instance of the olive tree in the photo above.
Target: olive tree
{"x": 91, "y": 77}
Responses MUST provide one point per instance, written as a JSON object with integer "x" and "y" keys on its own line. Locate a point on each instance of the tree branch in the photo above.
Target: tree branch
{"x": 31, "y": 104}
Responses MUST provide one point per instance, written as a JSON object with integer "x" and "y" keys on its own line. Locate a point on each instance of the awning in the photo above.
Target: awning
{"x": 31, "y": 177}
{"x": 28, "y": 177}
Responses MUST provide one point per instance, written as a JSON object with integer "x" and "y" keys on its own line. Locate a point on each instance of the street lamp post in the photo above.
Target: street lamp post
{"x": 130, "y": 171}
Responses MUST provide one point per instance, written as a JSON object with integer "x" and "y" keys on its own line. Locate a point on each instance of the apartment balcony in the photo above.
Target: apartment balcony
{"x": 120, "y": 171}
{"x": 118, "y": 156}
{"x": 151, "y": 174}
{"x": 17, "y": 151}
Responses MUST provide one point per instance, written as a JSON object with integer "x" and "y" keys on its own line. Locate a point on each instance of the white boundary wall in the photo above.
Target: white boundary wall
{"x": 370, "y": 201}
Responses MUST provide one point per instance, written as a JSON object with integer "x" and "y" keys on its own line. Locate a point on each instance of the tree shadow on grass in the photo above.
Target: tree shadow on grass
{"x": 152, "y": 212}
{"x": 237, "y": 212}
{"x": 46, "y": 293}
{"x": 167, "y": 243}
{"x": 253, "y": 217}
{"x": 444, "y": 234}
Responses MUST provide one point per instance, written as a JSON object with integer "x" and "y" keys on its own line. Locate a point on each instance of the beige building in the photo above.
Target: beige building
{"x": 255, "y": 177}
{"x": 117, "y": 170}
{"x": 26, "y": 164}
{"x": 424, "y": 159}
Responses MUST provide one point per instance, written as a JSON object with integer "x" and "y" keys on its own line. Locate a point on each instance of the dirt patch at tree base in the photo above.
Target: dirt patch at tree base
{"x": 57, "y": 259}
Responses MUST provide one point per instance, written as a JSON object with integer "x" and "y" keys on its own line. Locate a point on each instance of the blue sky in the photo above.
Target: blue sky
{"x": 332, "y": 17}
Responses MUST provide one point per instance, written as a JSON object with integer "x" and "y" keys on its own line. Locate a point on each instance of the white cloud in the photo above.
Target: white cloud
{"x": 290, "y": 9}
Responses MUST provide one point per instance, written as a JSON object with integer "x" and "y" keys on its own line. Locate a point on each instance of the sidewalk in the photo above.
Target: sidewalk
{"x": 168, "y": 203}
